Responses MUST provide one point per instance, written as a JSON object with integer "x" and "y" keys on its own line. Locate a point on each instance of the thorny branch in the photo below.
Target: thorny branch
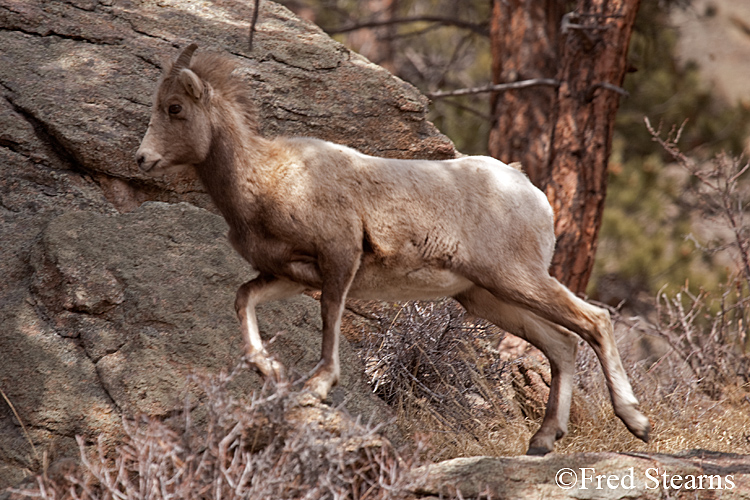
{"x": 710, "y": 335}
{"x": 254, "y": 21}
{"x": 721, "y": 177}
{"x": 522, "y": 84}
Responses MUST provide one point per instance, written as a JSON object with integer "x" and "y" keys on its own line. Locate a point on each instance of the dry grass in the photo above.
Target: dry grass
{"x": 451, "y": 387}
{"x": 682, "y": 415}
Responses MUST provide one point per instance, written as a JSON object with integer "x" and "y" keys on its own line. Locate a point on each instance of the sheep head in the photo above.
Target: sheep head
{"x": 179, "y": 133}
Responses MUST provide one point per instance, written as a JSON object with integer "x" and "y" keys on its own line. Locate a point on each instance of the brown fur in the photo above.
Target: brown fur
{"x": 309, "y": 214}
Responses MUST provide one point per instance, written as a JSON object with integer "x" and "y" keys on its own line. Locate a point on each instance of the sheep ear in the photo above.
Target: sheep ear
{"x": 193, "y": 85}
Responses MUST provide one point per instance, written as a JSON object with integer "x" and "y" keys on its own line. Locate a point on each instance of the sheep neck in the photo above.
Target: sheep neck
{"x": 231, "y": 172}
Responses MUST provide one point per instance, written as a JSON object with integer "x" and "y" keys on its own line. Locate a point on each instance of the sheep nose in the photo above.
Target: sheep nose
{"x": 145, "y": 164}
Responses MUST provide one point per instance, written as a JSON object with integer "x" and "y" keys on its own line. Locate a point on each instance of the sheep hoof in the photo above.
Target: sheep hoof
{"x": 321, "y": 381}
{"x": 318, "y": 388}
{"x": 541, "y": 444}
{"x": 268, "y": 367}
{"x": 537, "y": 451}
{"x": 636, "y": 422}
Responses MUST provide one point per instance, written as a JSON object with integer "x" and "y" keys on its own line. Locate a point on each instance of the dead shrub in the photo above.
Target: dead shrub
{"x": 278, "y": 445}
{"x": 441, "y": 370}
{"x": 695, "y": 391}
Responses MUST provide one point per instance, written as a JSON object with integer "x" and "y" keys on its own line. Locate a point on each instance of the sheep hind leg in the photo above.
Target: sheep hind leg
{"x": 558, "y": 344}
{"x": 594, "y": 325}
{"x": 257, "y": 291}
{"x": 549, "y": 299}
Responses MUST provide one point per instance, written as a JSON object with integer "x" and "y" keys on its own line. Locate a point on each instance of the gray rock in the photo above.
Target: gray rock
{"x": 697, "y": 474}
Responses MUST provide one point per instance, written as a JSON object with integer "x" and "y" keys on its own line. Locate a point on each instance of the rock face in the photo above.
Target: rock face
{"x": 80, "y": 75}
{"x": 715, "y": 34}
{"x": 122, "y": 308}
{"x": 106, "y": 307}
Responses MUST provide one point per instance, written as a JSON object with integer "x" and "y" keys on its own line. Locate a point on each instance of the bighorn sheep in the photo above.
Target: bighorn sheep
{"x": 310, "y": 214}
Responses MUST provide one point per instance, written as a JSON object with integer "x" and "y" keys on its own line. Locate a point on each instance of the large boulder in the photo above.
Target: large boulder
{"x": 103, "y": 312}
{"x": 82, "y": 73}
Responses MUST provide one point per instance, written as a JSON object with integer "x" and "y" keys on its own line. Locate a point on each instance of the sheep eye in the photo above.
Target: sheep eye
{"x": 175, "y": 109}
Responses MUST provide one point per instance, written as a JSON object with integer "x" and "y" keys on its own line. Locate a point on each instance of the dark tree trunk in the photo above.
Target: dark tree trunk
{"x": 562, "y": 135}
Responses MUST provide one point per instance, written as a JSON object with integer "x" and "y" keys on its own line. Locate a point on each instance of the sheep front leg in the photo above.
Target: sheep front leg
{"x": 332, "y": 300}
{"x": 254, "y": 292}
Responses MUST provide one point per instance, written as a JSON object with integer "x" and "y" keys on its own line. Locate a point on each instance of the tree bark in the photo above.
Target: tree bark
{"x": 563, "y": 135}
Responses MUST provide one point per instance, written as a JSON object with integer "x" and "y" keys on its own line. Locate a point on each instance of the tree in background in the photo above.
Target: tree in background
{"x": 562, "y": 131}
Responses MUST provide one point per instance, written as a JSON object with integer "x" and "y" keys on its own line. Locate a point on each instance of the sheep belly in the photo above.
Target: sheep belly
{"x": 424, "y": 283}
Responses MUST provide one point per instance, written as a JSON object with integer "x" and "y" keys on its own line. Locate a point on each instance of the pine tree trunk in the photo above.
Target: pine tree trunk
{"x": 562, "y": 135}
